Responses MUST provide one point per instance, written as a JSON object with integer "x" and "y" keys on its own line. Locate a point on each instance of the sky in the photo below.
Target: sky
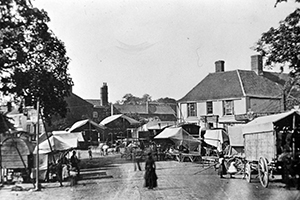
{"x": 163, "y": 48}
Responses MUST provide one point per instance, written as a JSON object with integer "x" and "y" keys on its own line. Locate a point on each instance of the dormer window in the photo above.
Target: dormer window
{"x": 192, "y": 109}
{"x": 228, "y": 107}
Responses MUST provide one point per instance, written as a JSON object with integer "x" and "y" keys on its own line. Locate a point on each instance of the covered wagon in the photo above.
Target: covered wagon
{"x": 17, "y": 158}
{"x": 267, "y": 140}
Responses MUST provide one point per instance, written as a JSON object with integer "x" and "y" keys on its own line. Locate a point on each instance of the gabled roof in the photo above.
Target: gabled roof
{"x": 235, "y": 84}
{"x": 80, "y": 125}
{"x": 112, "y": 118}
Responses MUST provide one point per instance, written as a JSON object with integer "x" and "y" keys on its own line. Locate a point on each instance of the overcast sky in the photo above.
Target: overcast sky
{"x": 158, "y": 47}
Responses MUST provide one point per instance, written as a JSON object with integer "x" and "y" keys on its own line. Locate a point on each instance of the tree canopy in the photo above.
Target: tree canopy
{"x": 134, "y": 100}
{"x": 281, "y": 46}
{"x": 33, "y": 61}
{"x": 280, "y": 1}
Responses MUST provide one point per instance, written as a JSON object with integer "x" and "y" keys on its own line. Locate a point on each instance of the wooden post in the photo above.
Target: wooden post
{"x": 293, "y": 136}
{"x": 1, "y": 179}
{"x": 37, "y": 184}
{"x": 200, "y": 141}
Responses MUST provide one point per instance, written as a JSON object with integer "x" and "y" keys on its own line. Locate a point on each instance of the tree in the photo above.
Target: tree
{"x": 33, "y": 61}
{"x": 5, "y": 124}
{"x": 167, "y": 100}
{"x": 133, "y": 100}
{"x": 280, "y": 46}
{"x": 280, "y": 1}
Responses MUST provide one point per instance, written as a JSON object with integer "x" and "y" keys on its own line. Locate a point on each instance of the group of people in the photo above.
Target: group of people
{"x": 290, "y": 165}
{"x": 150, "y": 166}
{"x": 227, "y": 160}
{"x": 64, "y": 168}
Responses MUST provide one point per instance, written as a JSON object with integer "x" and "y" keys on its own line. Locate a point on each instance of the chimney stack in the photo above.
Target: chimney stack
{"x": 104, "y": 95}
{"x": 219, "y": 66}
{"x": 257, "y": 64}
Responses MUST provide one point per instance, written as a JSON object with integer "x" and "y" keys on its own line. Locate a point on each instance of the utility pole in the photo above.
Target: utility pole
{"x": 1, "y": 180}
{"x": 37, "y": 187}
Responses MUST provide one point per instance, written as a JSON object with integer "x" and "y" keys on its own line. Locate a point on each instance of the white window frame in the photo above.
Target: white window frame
{"x": 209, "y": 108}
{"x": 228, "y": 107}
{"x": 192, "y": 109}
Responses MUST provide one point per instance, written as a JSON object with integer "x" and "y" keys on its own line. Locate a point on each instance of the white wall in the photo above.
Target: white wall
{"x": 239, "y": 108}
{"x": 201, "y": 109}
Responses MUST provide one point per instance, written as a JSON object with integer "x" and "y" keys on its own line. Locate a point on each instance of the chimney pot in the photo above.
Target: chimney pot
{"x": 219, "y": 66}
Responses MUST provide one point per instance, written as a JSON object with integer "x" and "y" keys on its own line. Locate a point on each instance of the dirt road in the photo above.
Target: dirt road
{"x": 176, "y": 180}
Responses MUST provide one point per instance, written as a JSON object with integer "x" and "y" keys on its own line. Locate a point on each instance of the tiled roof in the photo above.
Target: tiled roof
{"x": 142, "y": 109}
{"x": 216, "y": 86}
{"x": 237, "y": 83}
{"x": 260, "y": 86}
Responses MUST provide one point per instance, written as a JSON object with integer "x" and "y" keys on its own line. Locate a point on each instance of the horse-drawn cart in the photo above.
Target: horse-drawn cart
{"x": 272, "y": 147}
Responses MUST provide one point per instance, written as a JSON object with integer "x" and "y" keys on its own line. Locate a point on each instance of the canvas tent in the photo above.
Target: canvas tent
{"x": 156, "y": 125}
{"x": 67, "y": 135}
{"x": 121, "y": 119}
{"x": 216, "y": 137}
{"x": 179, "y": 136}
{"x": 235, "y": 134}
{"x": 268, "y": 123}
{"x": 84, "y": 125}
{"x": 57, "y": 143}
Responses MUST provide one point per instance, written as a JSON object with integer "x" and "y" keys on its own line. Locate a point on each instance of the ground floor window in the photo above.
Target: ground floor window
{"x": 191, "y": 109}
{"x": 228, "y": 107}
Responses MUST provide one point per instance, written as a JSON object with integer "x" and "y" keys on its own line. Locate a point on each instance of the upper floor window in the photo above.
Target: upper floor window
{"x": 209, "y": 107}
{"x": 192, "y": 109}
{"x": 228, "y": 107}
{"x": 95, "y": 114}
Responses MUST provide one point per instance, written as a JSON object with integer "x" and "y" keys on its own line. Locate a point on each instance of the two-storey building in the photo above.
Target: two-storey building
{"x": 224, "y": 97}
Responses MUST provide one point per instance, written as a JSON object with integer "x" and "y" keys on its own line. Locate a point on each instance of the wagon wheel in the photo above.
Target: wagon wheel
{"x": 263, "y": 171}
{"x": 248, "y": 172}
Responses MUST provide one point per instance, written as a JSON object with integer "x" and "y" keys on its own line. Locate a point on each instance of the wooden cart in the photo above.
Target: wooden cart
{"x": 266, "y": 139}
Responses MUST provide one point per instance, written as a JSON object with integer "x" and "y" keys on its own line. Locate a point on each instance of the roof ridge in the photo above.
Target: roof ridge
{"x": 241, "y": 82}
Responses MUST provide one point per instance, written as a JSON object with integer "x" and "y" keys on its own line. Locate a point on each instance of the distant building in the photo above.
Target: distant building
{"x": 232, "y": 97}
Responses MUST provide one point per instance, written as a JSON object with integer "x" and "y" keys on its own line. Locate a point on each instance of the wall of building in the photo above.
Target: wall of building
{"x": 240, "y": 107}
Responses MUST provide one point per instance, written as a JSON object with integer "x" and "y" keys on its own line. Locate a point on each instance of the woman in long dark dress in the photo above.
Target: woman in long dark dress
{"x": 150, "y": 174}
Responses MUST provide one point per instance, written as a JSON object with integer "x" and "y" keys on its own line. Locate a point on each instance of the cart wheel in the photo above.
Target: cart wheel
{"x": 248, "y": 172}
{"x": 263, "y": 171}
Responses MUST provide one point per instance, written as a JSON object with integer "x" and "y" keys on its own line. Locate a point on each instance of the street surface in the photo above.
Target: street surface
{"x": 176, "y": 180}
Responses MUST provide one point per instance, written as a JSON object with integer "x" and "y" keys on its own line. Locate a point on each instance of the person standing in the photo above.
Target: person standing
{"x": 150, "y": 174}
{"x": 90, "y": 153}
{"x": 75, "y": 163}
{"x": 136, "y": 156}
{"x": 59, "y": 171}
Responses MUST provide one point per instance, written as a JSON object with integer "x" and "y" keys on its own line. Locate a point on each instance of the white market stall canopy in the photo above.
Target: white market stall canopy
{"x": 268, "y": 123}
{"x": 113, "y": 118}
{"x": 179, "y": 136}
{"x": 235, "y": 134}
{"x": 85, "y": 124}
{"x": 216, "y": 137}
{"x": 156, "y": 125}
{"x": 67, "y": 135}
{"x": 57, "y": 143}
